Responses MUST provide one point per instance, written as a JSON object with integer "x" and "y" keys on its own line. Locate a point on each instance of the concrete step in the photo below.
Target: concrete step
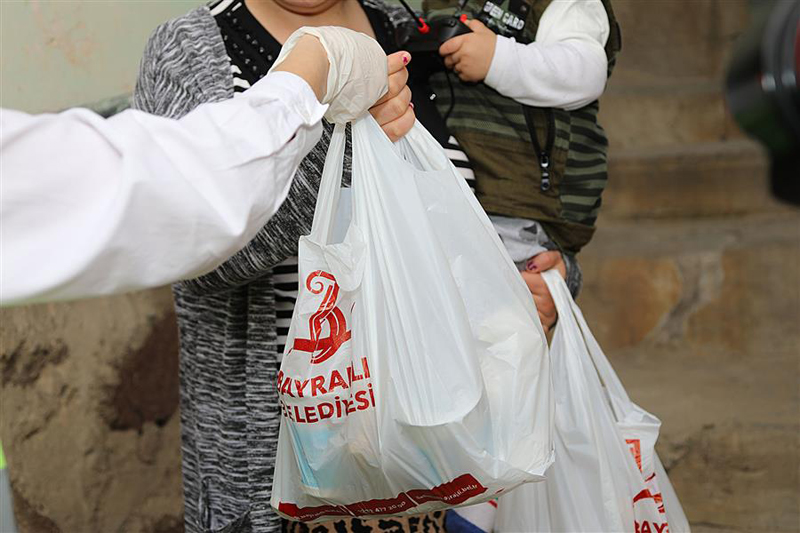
{"x": 665, "y": 115}
{"x": 667, "y": 86}
{"x": 699, "y": 180}
{"x": 677, "y": 40}
{"x": 727, "y": 283}
{"x": 728, "y": 435}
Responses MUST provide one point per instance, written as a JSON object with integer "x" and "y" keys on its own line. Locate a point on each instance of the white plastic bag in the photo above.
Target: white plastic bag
{"x": 416, "y": 375}
{"x": 607, "y": 475}
{"x": 639, "y": 429}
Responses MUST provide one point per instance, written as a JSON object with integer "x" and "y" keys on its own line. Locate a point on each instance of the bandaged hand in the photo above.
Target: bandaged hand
{"x": 357, "y": 73}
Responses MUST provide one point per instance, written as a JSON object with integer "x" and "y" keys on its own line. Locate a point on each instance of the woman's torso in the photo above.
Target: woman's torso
{"x": 231, "y": 343}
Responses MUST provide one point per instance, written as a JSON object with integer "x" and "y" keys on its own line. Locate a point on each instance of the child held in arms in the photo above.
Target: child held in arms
{"x": 524, "y": 111}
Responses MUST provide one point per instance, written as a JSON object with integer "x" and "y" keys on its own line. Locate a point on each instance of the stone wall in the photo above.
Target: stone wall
{"x": 61, "y": 54}
{"x": 691, "y": 286}
{"x": 89, "y": 411}
{"x": 88, "y": 390}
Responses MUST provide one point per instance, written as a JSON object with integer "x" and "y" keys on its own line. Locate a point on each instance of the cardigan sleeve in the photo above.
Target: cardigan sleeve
{"x": 171, "y": 82}
{"x": 278, "y": 239}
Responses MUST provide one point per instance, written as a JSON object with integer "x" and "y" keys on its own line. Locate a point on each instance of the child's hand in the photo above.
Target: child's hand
{"x": 470, "y": 55}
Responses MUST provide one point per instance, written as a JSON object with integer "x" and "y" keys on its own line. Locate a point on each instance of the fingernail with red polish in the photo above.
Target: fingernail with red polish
{"x": 405, "y": 60}
{"x": 532, "y": 266}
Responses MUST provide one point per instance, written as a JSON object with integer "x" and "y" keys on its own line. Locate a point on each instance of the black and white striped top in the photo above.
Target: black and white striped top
{"x": 252, "y": 50}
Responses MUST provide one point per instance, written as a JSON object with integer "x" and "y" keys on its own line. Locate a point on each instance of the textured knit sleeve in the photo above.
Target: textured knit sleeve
{"x": 171, "y": 83}
{"x": 278, "y": 240}
{"x": 162, "y": 87}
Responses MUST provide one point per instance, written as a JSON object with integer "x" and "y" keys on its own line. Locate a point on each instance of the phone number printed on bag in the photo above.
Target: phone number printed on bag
{"x": 454, "y": 492}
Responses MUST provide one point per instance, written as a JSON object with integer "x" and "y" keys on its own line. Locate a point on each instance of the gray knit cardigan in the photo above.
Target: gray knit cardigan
{"x": 228, "y": 340}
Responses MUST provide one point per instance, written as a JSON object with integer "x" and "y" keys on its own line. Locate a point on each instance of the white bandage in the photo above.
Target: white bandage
{"x": 358, "y": 75}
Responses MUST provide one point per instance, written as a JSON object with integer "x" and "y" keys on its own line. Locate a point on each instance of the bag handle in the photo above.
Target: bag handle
{"x": 570, "y": 316}
{"x": 329, "y": 188}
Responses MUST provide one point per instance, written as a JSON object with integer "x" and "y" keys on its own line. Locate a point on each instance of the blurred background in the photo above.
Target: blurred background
{"x": 692, "y": 285}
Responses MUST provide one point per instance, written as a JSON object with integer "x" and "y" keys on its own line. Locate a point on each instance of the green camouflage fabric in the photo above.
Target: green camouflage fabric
{"x": 493, "y": 131}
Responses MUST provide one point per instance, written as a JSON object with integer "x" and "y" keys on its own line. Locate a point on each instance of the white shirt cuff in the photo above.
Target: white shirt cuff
{"x": 293, "y": 91}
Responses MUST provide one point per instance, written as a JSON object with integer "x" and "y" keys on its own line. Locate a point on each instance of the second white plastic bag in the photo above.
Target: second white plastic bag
{"x": 607, "y": 476}
{"x": 416, "y": 375}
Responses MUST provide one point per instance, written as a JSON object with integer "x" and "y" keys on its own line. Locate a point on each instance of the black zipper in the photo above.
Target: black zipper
{"x": 543, "y": 155}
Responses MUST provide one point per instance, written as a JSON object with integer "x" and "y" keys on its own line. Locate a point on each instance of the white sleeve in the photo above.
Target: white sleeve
{"x": 91, "y": 206}
{"x": 565, "y": 67}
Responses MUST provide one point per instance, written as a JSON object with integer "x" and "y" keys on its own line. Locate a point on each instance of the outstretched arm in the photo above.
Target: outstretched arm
{"x": 93, "y": 206}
